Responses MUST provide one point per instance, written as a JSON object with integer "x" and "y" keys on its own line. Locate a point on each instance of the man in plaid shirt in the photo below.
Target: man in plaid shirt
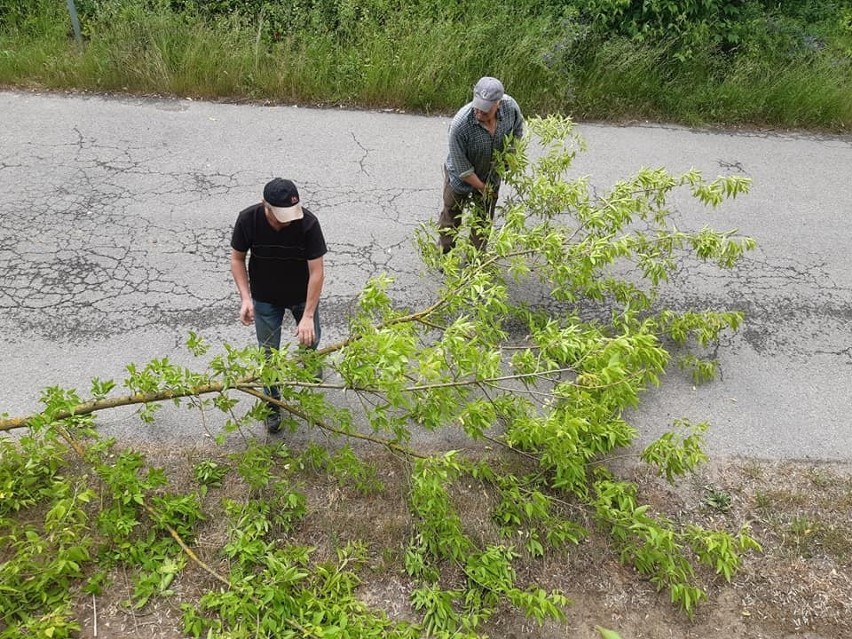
{"x": 479, "y": 128}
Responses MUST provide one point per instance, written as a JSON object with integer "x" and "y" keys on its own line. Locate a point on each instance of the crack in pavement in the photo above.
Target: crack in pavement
{"x": 724, "y": 164}
{"x": 111, "y": 254}
{"x": 365, "y": 153}
{"x": 790, "y": 305}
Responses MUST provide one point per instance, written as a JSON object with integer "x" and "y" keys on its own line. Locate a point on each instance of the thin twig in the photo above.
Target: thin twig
{"x": 518, "y": 451}
{"x": 186, "y": 549}
{"x": 426, "y": 322}
{"x": 313, "y": 421}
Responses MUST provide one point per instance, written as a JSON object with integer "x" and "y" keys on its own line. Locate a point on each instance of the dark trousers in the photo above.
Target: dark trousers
{"x": 451, "y": 214}
{"x": 267, "y": 326}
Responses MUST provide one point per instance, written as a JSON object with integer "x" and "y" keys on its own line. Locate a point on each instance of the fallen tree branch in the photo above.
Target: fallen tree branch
{"x": 246, "y": 385}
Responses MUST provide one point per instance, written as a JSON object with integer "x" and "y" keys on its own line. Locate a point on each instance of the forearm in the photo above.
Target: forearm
{"x": 240, "y": 275}
{"x": 306, "y": 328}
{"x": 315, "y": 282}
{"x": 474, "y": 181}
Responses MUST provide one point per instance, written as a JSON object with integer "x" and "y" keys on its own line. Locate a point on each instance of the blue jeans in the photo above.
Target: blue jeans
{"x": 268, "y": 319}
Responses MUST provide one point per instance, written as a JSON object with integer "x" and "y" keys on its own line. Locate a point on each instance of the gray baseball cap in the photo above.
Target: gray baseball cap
{"x": 486, "y": 93}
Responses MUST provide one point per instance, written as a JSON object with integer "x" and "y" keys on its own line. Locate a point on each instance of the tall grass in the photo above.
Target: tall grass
{"x": 625, "y": 80}
{"x": 795, "y": 94}
{"x": 425, "y": 59}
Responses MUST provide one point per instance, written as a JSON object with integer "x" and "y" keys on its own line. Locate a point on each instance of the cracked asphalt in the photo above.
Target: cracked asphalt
{"x": 115, "y": 220}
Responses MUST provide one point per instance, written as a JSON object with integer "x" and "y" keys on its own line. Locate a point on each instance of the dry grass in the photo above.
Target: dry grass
{"x": 799, "y": 586}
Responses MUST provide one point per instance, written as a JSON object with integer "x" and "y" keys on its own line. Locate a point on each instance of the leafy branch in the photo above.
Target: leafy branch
{"x": 538, "y": 345}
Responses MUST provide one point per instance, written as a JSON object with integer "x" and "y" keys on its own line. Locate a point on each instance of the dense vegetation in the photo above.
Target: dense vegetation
{"x": 782, "y": 63}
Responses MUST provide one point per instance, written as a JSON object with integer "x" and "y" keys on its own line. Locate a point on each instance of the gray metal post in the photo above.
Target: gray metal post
{"x": 75, "y": 22}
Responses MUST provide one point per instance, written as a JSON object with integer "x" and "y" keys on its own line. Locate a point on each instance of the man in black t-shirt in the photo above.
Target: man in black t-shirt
{"x": 285, "y": 270}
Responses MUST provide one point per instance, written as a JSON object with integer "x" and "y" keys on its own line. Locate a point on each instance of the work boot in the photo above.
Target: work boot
{"x": 273, "y": 420}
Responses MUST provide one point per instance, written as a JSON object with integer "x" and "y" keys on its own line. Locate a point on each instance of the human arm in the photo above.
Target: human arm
{"x": 476, "y": 183}
{"x": 518, "y": 129}
{"x": 240, "y": 275}
{"x": 316, "y": 276}
{"x": 462, "y": 163}
{"x": 459, "y": 158}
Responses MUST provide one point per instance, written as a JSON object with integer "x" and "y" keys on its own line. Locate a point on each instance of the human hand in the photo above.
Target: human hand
{"x": 247, "y": 313}
{"x": 305, "y": 331}
{"x": 487, "y": 191}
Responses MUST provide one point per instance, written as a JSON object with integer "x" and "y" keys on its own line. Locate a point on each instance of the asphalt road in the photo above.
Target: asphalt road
{"x": 115, "y": 218}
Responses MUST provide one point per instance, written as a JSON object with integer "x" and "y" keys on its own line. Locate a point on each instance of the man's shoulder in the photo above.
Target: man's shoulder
{"x": 312, "y": 235}
{"x": 308, "y": 218}
{"x": 250, "y": 211}
{"x": 464, "y": 111}
{"x": 310, "y": 223}
{"x": 245, "y": 228}
{"x": 510, "y": 103}
{"x": 463, "y": 117}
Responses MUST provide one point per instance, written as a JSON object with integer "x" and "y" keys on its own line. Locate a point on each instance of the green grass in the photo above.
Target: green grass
{"x": 424, "y": 59}
{"x": 626, "y": 80}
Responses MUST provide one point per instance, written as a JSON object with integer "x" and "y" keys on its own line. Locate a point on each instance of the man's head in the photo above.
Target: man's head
{"x": 487, "y": 95}
{"x": 282, "y": 199}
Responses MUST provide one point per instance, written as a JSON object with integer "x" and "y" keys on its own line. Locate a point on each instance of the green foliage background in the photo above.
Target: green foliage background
{"x": 750, "y": 61}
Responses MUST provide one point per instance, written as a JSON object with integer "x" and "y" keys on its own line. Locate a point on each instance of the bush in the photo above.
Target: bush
{"x": 604, "y": 58}
{"x": 694, "y": 24}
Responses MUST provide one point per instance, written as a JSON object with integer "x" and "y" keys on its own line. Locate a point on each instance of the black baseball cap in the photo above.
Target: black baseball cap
{"x": 282, "y": 196}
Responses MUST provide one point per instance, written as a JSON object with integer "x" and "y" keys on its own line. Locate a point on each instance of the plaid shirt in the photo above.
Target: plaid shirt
{"x": 472, "y": 147}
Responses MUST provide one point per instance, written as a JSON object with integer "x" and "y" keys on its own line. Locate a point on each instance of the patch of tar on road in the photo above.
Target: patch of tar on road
{"x": 790, "y": 304}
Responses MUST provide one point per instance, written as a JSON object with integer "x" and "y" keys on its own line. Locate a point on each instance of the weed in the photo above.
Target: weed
{"x": 717, "y": 498}
{"x": 763, "y": 501}
{"x": 836, "y": 542}
{"x": 802, "y": 535}
{"x": 789, "y": 498}
{"x": 208, "y": 473}
{"x": 821, "y": 478}
{"x": 753, "y": 469}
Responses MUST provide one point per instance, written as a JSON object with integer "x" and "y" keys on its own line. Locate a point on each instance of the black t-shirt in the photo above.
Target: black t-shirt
{"x": 278, "y": 260}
